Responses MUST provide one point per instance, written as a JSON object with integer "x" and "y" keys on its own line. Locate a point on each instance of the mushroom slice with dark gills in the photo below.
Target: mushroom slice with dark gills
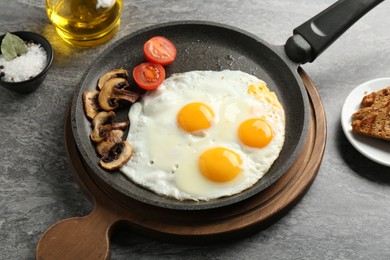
{"x": 114, "y": 137}
{"x": 113, "y": 92}
{"x": 116, "y": 73}
{"x": 91, "y": 103}
{"x": 103, "y": 123}
{"x": 119, "y": 154}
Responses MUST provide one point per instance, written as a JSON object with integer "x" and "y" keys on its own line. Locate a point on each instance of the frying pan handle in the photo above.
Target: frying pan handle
{"x": 311, "y": 38}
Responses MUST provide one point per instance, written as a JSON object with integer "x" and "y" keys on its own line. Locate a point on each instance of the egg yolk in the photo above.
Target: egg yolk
{"x": 220, "y": 164}
{"x": 255, "y": 132}
{"x": 195, "y": 116}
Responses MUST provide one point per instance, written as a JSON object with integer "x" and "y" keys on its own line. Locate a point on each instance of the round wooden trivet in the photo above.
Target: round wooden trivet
{"x": 88, "y": 237}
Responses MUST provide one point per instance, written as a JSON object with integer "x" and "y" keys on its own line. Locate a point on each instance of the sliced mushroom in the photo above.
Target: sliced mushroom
{"x": 112, "y": 93}
{"x": 91, "y": 104}
{"x": 117, "y": 73}
{"x": 117, "y": 157}
{"x": 114, "y": 137}
{"x": 103, "y": 123}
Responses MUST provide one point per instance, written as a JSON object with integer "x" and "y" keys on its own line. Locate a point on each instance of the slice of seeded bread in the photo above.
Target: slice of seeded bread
{"x": 375, "y": 98}
{"x": 365, "y": 111}
{"x": 375, "y": 124}
{"x": 373, "y": 118}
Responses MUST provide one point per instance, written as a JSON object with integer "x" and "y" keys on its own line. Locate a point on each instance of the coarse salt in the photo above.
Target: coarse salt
{"x": 25, "y": 66}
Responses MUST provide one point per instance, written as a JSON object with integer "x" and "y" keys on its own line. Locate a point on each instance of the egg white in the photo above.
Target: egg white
{"x": 165, "y": 158}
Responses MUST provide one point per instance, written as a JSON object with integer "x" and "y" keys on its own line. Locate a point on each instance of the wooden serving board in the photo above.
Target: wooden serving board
{"x": 88, "y": 237}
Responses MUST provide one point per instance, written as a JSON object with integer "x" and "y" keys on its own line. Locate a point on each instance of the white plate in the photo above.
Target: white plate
{"x": 374, "y": 149}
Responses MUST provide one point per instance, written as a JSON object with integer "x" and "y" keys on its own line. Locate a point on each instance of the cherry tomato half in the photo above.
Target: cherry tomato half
{"x": 160, "y": 50}
{"x": 149, "y": 75}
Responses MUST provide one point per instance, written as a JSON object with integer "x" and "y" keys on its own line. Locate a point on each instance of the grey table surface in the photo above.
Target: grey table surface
{"x": 344, "y": 215}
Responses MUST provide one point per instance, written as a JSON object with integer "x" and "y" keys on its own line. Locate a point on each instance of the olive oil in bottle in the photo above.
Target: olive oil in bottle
{"x": 85, "y": 22}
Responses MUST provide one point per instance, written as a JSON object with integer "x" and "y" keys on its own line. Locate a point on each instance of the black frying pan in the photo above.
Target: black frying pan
{"x": 211, "y": 46}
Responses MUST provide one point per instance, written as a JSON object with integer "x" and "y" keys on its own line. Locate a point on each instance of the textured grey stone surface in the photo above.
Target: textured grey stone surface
{"x": 344, "y": 215}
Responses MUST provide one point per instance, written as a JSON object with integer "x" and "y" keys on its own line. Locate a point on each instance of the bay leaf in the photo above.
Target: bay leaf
{"x": 12, "y": 46}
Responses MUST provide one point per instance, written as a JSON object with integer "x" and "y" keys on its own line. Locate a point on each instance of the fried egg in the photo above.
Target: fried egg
{"x": 203, "y": 135}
